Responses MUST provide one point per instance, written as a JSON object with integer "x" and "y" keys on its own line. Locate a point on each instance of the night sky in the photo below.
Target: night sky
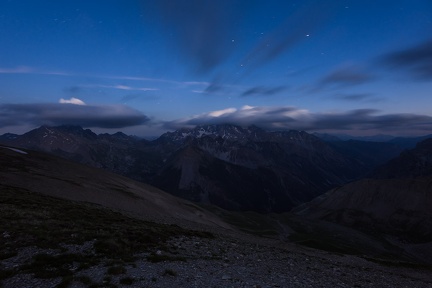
{"x": 359, "y": 67}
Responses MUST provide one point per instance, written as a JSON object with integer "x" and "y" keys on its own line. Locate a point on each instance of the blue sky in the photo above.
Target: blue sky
{"x": 145, "y": 67}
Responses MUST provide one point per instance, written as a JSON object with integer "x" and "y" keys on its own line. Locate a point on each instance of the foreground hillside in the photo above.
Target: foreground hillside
{"x": 63, "y": 241}
{"x": 54, "y": 176}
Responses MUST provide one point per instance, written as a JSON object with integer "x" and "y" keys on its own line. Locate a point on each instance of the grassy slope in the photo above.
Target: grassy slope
{"x": 34, "y": 220}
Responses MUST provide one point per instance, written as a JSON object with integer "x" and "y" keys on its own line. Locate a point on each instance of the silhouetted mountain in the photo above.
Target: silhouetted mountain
{"x": 234, "y": 167}
{"x": 345, "y": 137}
{"x": 118, "y": 152}
{"x": 411, "y": 163}
{"x": 397, "y": 201}
{"x": 402, "y": 142}
{"x": 409, "y": 142}
{"x": 327, "y": 137}
{"x": 369, "y": 154}
{"x": 8, "y": 136}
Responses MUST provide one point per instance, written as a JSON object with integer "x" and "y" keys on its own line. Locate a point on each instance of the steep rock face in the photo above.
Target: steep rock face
{"x": 396, "y": 201}
{"x": 194, "y": 174}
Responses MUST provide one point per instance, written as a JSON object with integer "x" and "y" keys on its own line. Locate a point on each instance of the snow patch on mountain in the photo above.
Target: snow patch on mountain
{"x": 14, "y": 149}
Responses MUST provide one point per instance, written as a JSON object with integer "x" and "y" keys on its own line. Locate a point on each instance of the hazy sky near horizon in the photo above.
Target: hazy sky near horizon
{"x": 145, "y": 67}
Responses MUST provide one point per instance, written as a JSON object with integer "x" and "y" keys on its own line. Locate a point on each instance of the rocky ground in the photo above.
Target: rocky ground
{"x": 219, "y": 262}
{"x": 48, "y": 241}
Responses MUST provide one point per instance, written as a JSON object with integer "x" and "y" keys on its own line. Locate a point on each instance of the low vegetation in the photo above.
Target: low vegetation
{"x": 40, "y": 223}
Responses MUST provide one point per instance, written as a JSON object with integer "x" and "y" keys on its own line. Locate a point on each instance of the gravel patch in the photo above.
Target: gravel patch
{"x": 227, "y": 262}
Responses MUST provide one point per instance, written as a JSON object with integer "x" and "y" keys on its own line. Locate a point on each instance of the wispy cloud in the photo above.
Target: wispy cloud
{"x": 37, "y": 71}
{"x": 301, "y": 119}
{"x": 17, "y": 70}
{"x": 293, "y": 30}
{"x": 358, "y": 97}
{"x": 348, "y": 75}
{"x": 119, "y": 87}
{"x": 31, "y": 70}
{"x": 206, "y": 32}
{"x": 353, "y": 97}
{"x": 416, "y": 60}
{"x": 263, "y": 91}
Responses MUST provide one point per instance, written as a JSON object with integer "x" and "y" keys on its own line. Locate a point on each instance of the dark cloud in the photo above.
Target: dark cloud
{"x": 345, "y": 76}
{"x": 359, "y": 97}
{"x": 214, "y": 87}
{"x": 101, "y": 116}
{"x": 201, "y": 28}
{"x": 353, "y": 97}
{"x": 278, "y": 118}
{"x": 263, "y": 91}
{"x": 417, "y": 60}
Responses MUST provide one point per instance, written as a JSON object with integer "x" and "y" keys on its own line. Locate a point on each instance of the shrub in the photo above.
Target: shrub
{"x": 170, "y": 272}
{"x": 116, "y": 270}
{"x": 126, "y": 281}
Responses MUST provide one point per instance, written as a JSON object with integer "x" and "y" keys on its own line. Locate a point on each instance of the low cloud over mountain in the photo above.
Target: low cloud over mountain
{"x": 72, "y": 111}
{"x": 300, "y": 119}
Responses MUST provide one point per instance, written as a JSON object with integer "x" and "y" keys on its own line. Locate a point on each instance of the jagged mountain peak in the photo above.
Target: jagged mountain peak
{"x": 237, "y": 133}
{"x": 48, "y": 138}
{"x": 47, "y": 131}
{"x": 240, "y": 134}
{"x": 224, "y": 131}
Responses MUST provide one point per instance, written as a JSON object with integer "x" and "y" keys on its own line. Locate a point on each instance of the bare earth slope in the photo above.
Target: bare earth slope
{"x": 54, "y": 176}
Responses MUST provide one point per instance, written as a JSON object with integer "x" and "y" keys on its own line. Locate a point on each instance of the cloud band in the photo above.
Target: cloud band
{"x": 100, "y": 116}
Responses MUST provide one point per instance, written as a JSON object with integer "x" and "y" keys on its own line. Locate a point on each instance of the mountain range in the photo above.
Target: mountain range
{"x": 233, "y": 167}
